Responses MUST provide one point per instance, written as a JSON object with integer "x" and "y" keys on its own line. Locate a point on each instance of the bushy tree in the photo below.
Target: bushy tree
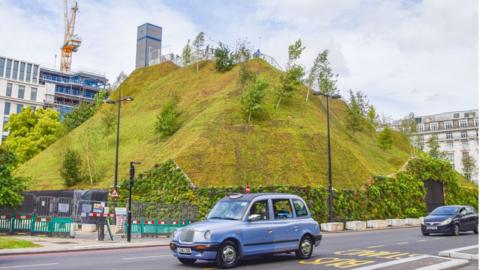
{"x": 245, "y": 75}
{"x": 385, "y": 138}
{"x": 242, "y": 52}
{"x": 252, "y": 99}
{"x": 292, "y": 77}
{"x": 167, "y": 119}
{"x": 355, "y": 118}
{"x": 187, "y": 54}
{"x": 408, "y": 125}
{"x": 468, "y": 164}
{"x": 109, "y": 121}
{"x": 71, "y": 168}
{"x": 327, "y": 80}
{"x": 223, "y": 58}
{"x": 11, "y": 188}
{"x": 434, "y": 147}
{"x": 31, "y": 132}
{"x": 372, "y": 117}
{"x": 79, "y": 115}
{"x": 99, "y": 98}
{"x": 312, "y": 76}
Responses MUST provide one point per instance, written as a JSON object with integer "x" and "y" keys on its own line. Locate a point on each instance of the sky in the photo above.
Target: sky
{"x": 406, "y": 56}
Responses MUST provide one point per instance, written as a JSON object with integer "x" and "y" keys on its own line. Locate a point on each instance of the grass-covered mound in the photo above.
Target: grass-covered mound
{"x": 214, "y": 146}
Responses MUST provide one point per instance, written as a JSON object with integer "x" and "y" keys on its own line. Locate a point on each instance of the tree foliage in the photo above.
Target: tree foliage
{"x": 434, "y": 147}
{"x": 385, "y": 138}
{"x": 79, "y": 115}
{"x": 355, "y": 119}
{"x": 71, "y": 169}
{"x": 31, "y": 132}
{"x": 11, "y": 188}
{"x": 252, "y": 99}
{"x": 187, "y": 54}
{"x": 291, "y": 79}
{"x": 223, "y": 58}
{"x": 198, "y": 44}
{"x": 327, "y": 80}
{"x": 167, "y": 119}
{"x": 468, "y": 164}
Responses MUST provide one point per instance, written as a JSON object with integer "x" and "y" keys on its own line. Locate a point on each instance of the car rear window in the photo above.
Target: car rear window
{"x": 282, "y": 209}
{"x": 300, "y": 208}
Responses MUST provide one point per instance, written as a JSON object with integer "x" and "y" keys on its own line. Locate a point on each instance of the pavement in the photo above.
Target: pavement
{"x": 395, "y": 249}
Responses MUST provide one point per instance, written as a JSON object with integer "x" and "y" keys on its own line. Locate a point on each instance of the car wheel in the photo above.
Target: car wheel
{"x": 305, "y": 248}
{"x": 187, "y": 261}
{"x": 456, "y": 230}
{"x": 227, "y": 255}
{"x": 425, "y": 233}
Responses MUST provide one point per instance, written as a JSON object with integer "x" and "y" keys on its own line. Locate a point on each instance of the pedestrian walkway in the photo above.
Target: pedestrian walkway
{"x": 469, "y": 253}
{"x": 82, "y": 241}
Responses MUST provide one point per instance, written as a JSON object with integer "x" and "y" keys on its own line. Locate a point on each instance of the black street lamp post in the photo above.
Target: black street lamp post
{"x": 119, "y": 105}
{"x": 129, "y": 213}
{"x": 330, "y": 185}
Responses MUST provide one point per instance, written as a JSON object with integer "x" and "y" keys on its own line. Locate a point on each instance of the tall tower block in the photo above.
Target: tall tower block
{"x": 149, "y": 40}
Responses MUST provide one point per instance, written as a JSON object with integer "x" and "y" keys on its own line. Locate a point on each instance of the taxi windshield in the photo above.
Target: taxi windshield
{"x": 229, "y": 210}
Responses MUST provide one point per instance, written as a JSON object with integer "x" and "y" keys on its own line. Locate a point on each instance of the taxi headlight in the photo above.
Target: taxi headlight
{"x": 207, "y": 235}
{"x": 445, "y": 222}
{"x": 174, "y": 234}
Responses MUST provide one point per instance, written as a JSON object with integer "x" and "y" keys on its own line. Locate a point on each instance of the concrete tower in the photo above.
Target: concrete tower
{"x": 149, "y": 40}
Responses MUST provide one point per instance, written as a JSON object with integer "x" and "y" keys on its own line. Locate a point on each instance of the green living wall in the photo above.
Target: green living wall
{"x": 400, "y": 196}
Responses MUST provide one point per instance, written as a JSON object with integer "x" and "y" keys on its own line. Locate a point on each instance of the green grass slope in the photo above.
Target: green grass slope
{"x": 214, "y": 146}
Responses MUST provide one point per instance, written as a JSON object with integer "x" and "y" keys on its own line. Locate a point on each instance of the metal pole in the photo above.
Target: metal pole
{"x": 330, "y": 188}
{"x": 129, "y": 213}
{"x": 115, "y": 181}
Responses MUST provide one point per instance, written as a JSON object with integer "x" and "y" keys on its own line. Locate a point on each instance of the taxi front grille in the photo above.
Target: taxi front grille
{"x": 187, "y": 236}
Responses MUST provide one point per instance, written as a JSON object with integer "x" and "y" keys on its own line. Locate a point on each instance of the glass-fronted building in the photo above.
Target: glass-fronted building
{"x": 71, "y": 89}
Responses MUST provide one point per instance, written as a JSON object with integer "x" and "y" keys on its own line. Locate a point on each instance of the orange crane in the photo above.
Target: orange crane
{"x": 71, "y": 42}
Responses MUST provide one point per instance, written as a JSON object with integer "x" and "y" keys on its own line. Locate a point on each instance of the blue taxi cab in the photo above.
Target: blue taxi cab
{"x": 243, "y": 225}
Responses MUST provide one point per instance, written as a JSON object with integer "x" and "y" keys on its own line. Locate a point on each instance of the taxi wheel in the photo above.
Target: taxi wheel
{"x": 187, "y": 261}
{"x": 227, "y": 255}
{"x": 305, "y": 248}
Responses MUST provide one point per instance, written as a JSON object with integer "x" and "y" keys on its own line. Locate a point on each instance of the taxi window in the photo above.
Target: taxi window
{"x": 260, "y": 208}
{"x": 282, "y": 209}
{"x": 300, "y": 208}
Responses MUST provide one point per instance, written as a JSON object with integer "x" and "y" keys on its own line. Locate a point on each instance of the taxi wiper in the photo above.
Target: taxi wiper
{"x": 227, "y": 218}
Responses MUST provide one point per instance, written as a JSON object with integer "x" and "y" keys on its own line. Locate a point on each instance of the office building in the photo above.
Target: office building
{"x": 19, "y": 88}
{"x": 457, "y": 134}
{"x": 149, "y": 44}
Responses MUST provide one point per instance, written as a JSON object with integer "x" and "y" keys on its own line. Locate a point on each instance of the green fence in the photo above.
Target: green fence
{"x": 146, "y": 227}
{"x": 31, "y": 224}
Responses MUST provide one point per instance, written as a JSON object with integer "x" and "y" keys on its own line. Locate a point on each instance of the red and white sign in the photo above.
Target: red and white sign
{"x": 114, "y": 194}
{"x": 247, "y": 189}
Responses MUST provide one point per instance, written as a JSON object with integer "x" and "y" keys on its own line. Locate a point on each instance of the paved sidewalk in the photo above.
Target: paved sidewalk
{"x": 83, "y": 241}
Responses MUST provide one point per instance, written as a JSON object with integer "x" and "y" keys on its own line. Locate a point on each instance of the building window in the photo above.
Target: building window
{"x": 434, "y": 126}
{"x": 9, "y": 89}
{"x": 475, "y": 122}
{"x": 9, "y": 69}
{"x": 450, "y": 144}
{"x": 21, "y": 91}
{"x": 33, "y": 95}
{"x": 6, "y": 109}
{"x": 464, "y": 143}
{"x": 2, "y": 66}
{"x": 451, "y": 157}
{"x": 463, "y": 123}
{"x": 22, "y": 71}
{"x": 464, "y": 134}
{"x": 456, "y": 115}
{"x": 449, "y": 135}
{"x": 29, "y": 72}
{"x": 15, "y": 70}
{"x": 426, "y": 127}
{"x": 420, "y": 127}
{"x": 448, "y": 124}
{"x": 19, "y": 108}
{"x": 35, "y": 74}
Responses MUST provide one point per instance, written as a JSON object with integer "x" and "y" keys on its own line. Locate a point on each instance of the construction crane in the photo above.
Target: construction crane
{"x": 71, "y": 42}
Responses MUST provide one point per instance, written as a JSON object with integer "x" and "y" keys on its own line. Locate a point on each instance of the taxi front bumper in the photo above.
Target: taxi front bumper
{"x": 200, "y": 251}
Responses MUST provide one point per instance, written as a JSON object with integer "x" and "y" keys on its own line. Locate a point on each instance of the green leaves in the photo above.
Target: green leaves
{"x": 327, "y": 80}
{"x": 71, "y": 168}
{"x": 223, "y": 58}
{"x": 252, "y": 99}
{"x": 79, "y": 115}
{"x": 187, "y": 54}
{"x": 167, "y": 123}
{"x": 292, "y": 78}
{"x": 385, "y": 139}
{"x": 31, "y": 132}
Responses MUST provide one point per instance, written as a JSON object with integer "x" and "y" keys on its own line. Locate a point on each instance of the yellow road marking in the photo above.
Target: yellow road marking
{"x": 376, "y": 246}
{"x": 369, "y": 253}
{"x": 337, "y": 262}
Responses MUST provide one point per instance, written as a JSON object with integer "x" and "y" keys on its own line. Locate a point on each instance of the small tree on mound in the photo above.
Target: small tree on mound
{"x": 385, "y": 139}
{"x": 167, "y": 122}
{"x": 187, "y": 54}
{"x": 252, "y": 99}
{"x": 71, "y": 168}
{"x": 434, "y": 148}
{"x": 292, "y": 78}
{"x": 223, "y": 58}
